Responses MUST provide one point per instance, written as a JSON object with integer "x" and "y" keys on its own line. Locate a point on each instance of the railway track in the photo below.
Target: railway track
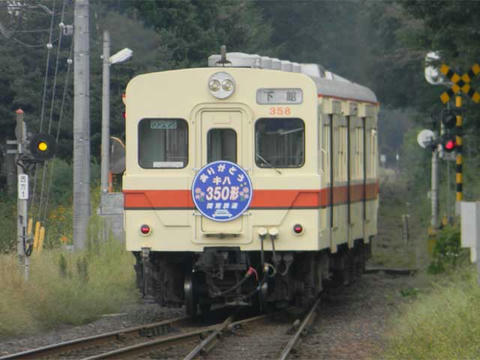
{"x": 74, "y": 348}
{"x": 302, "y": 327}
{"x": 295, "y": 329}
{"x": 131, "y": 342}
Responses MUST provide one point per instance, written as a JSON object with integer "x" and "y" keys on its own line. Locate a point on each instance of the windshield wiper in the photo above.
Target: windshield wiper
{"x": 266, "y": 162}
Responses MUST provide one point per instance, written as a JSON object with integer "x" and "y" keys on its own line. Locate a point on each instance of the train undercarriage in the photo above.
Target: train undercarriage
{"x": 226, "y": 275}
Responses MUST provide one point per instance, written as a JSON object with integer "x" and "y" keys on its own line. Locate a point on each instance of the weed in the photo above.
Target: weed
{"x": 443, "y": 323}
{"x": 409, "y": 292}
{"x": 447, "y": 253}
{"x": 65, "y": 288}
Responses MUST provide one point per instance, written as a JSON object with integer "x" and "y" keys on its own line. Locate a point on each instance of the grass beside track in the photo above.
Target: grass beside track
{"x": 64, "y": 287}
{"x": 443, "y": 323}
{"x": 440, "y": 318}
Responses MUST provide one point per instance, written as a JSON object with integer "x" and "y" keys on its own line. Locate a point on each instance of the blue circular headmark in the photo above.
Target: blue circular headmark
{"x": 222, "y": 191}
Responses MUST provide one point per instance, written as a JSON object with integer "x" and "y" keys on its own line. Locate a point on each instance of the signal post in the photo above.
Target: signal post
{"x": 22, "y": 198}
{"x": 35, "y": 149}
{"x": 459, "y": 148}
{"x": 460, "y": 84}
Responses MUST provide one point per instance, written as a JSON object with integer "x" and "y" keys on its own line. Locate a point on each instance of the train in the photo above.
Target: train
{"x": 252, "y": 181}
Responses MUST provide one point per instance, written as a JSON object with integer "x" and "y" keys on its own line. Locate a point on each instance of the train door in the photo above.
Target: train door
{"x": 341, "y": 229}
{"x": 364, "y": 178}
{"x": 221, "y": 135}
{"x": 349, "y": 147}
{"x": 371, "y": 201}
{"x": 355, "y": 178}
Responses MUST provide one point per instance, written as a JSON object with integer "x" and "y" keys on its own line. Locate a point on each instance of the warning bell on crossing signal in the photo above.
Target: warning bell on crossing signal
{"x": 42, "y": 147}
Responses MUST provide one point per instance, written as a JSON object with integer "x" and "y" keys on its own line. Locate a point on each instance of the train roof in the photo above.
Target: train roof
{"x": 328, "y": 83}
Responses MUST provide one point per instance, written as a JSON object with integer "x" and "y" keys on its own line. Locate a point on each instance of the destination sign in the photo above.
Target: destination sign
{"x": 163, "y": 124}
{"x": 279, "y": 96}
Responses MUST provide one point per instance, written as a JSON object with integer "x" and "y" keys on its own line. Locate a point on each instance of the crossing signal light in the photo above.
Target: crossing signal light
{"x": 449, "y": 142}
{"x": 42, "y": 147}
{"x": 449, "y": 118}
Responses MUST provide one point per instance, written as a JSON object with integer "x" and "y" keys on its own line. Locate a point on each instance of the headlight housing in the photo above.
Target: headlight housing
{"x": 221, "y": 85}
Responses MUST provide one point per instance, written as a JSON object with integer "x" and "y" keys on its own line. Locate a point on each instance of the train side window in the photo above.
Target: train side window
{"x": 162, "y": 143}
{"x": 373, "y": 153}
{"x": 326, "y": 151}
{"x": 221, "y": 145}
{"x": 280, "y": 143}
{"x": 342, "y": 153}
{"x": 359, "y": 153}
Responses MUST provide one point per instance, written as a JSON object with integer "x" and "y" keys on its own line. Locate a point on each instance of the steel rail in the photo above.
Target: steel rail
{"x": 210, "y": 339}
{"x": 234, "y": 324}
{"x": 209, "y": 343}
{"x": 68, "y": 346}
{"x": 137, "y": 349}
{"x": 206, "y": 345}
{"x": 293, "y": 340}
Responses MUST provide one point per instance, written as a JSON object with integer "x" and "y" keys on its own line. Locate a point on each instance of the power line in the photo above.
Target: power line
{"x": 42, "y": 114}
{"x": 59, "y": 124}
{"x": 14, "y": 10}
{"x": 31, "y": 45}
{"x": 54, "y": 87}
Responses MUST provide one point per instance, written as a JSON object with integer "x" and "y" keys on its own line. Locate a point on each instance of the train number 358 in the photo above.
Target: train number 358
{"x": 280, "y": 110}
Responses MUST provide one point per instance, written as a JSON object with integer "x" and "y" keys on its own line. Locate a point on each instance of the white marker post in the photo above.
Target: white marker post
{"x": 22, "y": 186}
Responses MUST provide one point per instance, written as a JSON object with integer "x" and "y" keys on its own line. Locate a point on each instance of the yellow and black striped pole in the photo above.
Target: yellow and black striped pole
{"x": 459, "y": 84}
{"x": 459, "y": 149}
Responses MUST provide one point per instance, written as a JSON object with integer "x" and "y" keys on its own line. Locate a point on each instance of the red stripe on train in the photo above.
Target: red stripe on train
{"x": 262, "y": 199}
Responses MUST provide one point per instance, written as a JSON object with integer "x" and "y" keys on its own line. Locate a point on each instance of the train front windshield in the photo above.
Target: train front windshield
{"x": 280, "y": 142}
{"x": 162, "y": 143}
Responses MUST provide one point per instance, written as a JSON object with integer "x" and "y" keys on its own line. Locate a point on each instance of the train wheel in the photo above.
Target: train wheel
{"x": 359, "y": 260}
{"x": 191, "y": 303}
{"x": 205, "y": 308}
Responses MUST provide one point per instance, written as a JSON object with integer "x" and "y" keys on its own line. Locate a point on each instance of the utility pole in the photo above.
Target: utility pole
{"x": 119, "y": 57}
{"x": 105, "y": 113}
{"x": 428, "y": 140}
{"x": 22, "y": 197}
{"x": 81, "y": 125}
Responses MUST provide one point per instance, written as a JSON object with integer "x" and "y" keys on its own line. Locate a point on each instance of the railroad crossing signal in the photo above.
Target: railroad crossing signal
{"x": 460, "y": 83}
{"x": 449, "y": 142}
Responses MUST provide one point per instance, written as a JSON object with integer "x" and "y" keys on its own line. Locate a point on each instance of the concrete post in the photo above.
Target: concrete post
{"x": 105, "y": 162}
{"x": 81, "y": 125}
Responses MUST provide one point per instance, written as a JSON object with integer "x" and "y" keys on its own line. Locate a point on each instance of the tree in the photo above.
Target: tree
{"x": 194, "y": 29}
{"x": 451, "y": 27}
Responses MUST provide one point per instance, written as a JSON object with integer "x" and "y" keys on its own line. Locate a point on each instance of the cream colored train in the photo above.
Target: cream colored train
{"x": 306, "y": 139}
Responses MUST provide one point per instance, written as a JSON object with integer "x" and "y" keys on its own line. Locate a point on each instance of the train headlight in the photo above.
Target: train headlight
{"x": 227, "y": 85}
{"x": 221, "y": 85}
{"x": 214, "y": 85}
